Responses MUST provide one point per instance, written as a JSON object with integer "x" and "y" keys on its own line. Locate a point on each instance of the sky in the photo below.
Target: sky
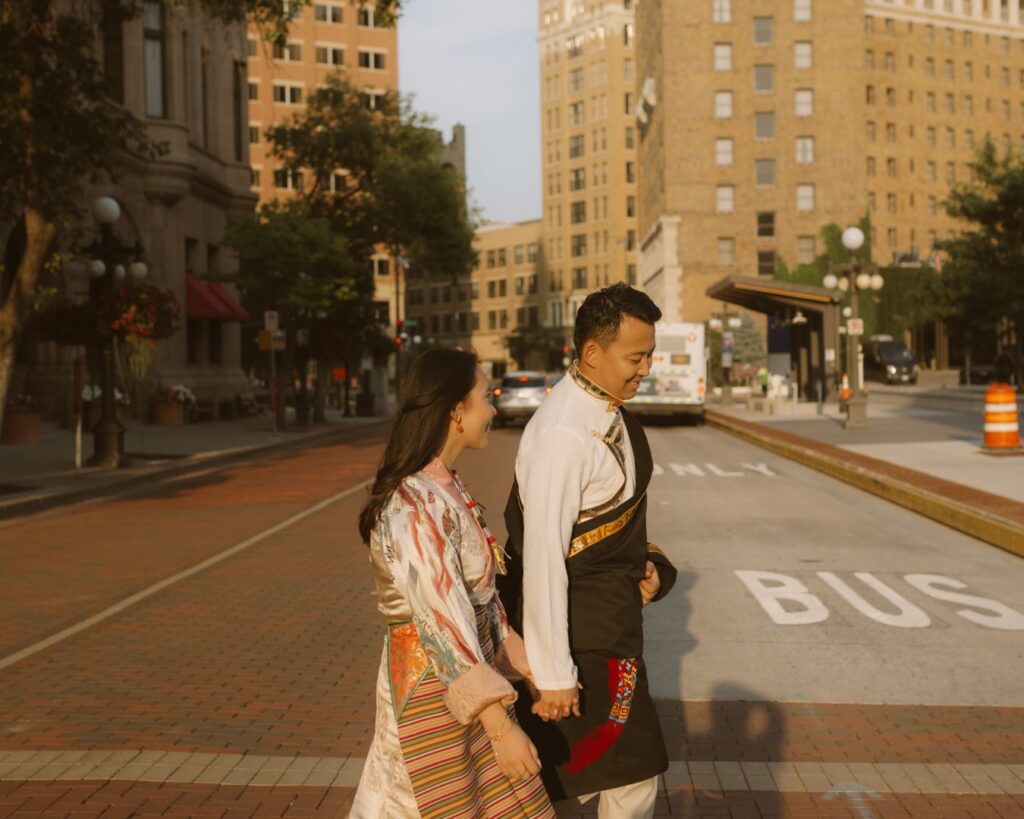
{"x": 475, "y": 62}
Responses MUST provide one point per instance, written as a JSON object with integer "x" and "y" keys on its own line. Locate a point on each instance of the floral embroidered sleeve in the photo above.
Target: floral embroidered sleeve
{"x": 422, "y": 536}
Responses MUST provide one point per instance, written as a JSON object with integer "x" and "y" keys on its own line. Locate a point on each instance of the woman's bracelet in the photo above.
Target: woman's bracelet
{"x": 501, "y": 731}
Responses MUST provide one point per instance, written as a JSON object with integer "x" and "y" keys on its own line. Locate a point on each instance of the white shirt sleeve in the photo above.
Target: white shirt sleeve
{"x": 551, "y": 476}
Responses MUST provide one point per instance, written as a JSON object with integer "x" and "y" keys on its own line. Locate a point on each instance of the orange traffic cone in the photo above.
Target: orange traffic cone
{"x": 845, "y": 391}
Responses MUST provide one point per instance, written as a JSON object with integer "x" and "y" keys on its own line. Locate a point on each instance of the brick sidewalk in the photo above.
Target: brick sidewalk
{"x": 266, "y": 662}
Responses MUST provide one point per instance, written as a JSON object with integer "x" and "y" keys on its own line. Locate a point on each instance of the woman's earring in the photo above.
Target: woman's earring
{"x": 458, "y": 425}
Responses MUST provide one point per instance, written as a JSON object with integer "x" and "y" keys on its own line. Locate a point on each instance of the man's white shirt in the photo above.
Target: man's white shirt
{"x": 564, "y": 467}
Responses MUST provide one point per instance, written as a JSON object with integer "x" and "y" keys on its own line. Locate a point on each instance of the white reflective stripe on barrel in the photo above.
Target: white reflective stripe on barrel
{"x": 1001, "y": 427}
{"x": 1001, "y": 407}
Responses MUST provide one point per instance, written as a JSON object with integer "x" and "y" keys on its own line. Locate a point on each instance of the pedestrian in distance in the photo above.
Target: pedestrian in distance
{"x": 582, "y": 570}
{"x": 446, "y": 742}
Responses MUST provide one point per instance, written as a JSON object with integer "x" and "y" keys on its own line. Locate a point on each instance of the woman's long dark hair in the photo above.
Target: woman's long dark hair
{"x": 436, "y": 382}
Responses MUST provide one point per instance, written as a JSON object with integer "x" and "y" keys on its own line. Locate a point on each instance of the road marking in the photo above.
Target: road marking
{"x": 149, "y": 591}
{"x": 698, "y": 470}
{"x": 184, "y": 767}
{"x": 770, "y": 589}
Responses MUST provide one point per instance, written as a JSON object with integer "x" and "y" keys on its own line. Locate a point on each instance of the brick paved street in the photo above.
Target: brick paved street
{"x": 245, "y": 688}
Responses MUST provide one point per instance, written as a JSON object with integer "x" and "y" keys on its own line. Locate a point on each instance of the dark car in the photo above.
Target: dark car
{"x": 889, "y": 361}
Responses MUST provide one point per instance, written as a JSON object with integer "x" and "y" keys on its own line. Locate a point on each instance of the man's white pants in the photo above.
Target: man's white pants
{"x": 634, "y": 801}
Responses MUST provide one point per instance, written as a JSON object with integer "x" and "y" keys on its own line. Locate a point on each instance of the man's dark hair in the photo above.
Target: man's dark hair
{"x": 601, "y": 314}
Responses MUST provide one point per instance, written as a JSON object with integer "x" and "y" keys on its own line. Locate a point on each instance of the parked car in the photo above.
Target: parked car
{"x": 889, "y": 361}
{"x": 519, "y": 395}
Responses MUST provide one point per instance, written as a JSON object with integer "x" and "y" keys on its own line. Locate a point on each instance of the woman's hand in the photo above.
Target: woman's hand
{"x": 515, "y": 754}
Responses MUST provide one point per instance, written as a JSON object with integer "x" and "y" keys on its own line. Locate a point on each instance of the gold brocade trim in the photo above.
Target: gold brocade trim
{"x": 592, "y": 389}
{"x": 594, "y": 536}
{"x": 657, "y": 550}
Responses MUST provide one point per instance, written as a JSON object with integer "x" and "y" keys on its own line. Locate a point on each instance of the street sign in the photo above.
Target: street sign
{"x": 270, "y": 323}
{"x": 830, "y": 355}
{"x": 855, "y": 326}
{"x": 726, "y": 359}
{"x": 279, "y": 341}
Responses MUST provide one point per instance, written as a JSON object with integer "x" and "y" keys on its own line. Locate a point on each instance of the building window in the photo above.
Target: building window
{"x": 577, "y": 179}
{"x": 805, "y": 197}
{"x": 806, "y": 251}
{"x": 891, "y": 203}
{"x": 723, "y": 57}
{"x": 723, "y": 104}
{"x": 870, "y": 131}
{"x": 579, "y": 278}
{"x": 721, "y": 11}
{"x": 579, "y": 244}
{"x": 578, "y": 212}
{"x": 254, "y": 91}
{"x": 367, "y": 18}
{"x": 288, "y": 180}
{"x": 804, "y": 150}
{"x": 764, "y": 125}
{"x": 763, "y": 30}
{"x": 289, "y": 52}
{"x": 372, "y": 60}
{"x": 153, "y": 58}
{"x": 330, "y": 55}
{"x": 254, "y": 134}
{"x": 725, "y": 202}
{"x": 630, "y": 137}
{"x": 890, "y": 167}
{"x": 630, "y": 206}
{"x": 727, "y": 251}
{"x": 628, "y": 34}
{"x": 576, "y": 77}
{"x": 764, "y": 78}
{"x": 631, "y": 172}
{"x": 930, "y": 137}
{"x": 801, "y": 10}
{"x": 766, "y": 225}
{"x": 723, "y": 152}
{"x": 890, "y": 132}
{"x": 577, "y": 145}
{"x": 804, "y": 102}
{"x": 113, "y": 52}
{"x": 869, "y": 60}
{"x": 328, "y": 14}
{"x": 576, "y": 113}
{"x": 890, "y": 61}
{"x": 929, "y": 102}
{"x": 869, "y": 95}
{"x": 802, "y": 55}
{"x": 870, "y": 170}
{"x": 950, "y": 138}
{"x": 766, "y": 263}
{"x": 764, "y": 172}
{"x": 288, "y": 94}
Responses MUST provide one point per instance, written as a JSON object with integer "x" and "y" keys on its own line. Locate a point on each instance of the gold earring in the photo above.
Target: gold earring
{"x": 458, "y": 425}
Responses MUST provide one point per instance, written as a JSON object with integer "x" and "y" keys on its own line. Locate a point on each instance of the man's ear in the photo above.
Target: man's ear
{"x": 591, "y": 349}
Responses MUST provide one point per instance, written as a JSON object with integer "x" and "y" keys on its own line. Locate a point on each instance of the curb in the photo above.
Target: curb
{"x": 993, "y": 529}
{"x": 198, "y": 463}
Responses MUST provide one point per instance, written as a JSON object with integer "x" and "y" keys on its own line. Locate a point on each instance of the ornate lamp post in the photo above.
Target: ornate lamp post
{"x": 854, "y": 277}
{"x": 110, "y": 264}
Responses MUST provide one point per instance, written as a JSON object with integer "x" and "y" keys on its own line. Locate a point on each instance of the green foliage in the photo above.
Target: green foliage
{"x": 983, "y": 282}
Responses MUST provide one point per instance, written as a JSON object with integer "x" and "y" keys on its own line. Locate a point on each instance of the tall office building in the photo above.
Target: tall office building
{"x": 589, "y": 133}
{"x": 767, "y": 121}
{"x": 323, "y": 38}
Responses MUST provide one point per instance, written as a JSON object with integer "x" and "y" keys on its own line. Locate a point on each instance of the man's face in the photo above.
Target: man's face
{"x": 620, "y": 366}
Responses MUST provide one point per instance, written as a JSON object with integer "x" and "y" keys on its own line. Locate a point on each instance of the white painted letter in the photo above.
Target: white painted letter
{"x": 1002, "y": 617}
{"x": 721, "y": 473}
{"x": 762, "y": 468}
{"x": 909, "y": 616}
{"x": 788, "y": 588}
{"x": 682, "y": 470}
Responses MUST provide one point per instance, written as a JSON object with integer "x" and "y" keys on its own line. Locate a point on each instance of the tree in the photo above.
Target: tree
{"x": 61, "y": 131}
{"x": 293, "y": 261}
{"x": 982, "y": 285}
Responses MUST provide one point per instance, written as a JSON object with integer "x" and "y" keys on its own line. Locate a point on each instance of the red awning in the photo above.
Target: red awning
{"x": 238, "y": 313}
{"x": 200, "y": 303}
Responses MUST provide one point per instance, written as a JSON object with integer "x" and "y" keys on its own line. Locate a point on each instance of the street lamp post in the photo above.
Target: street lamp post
{"x": 108, "y": 269}
{"x": 855, "y": 276}
{"x": 726, "y": 322}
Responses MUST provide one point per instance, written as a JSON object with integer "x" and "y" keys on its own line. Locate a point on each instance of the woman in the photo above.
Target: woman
{"x": 446, "y": 742}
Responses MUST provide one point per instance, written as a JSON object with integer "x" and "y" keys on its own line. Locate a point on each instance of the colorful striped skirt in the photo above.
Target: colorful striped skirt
{"x": 423, "y": 762}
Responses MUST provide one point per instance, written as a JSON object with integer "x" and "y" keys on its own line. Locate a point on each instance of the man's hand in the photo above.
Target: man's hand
{"x": 651, "y": 584}
{"x": 556, "y": 705}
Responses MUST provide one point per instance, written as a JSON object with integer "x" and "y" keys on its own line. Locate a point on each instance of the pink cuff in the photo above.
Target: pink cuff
{"x": 511, "y": 660}
{"x": 470, "y": 693}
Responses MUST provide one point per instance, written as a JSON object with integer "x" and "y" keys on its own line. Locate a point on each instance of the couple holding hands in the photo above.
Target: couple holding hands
{"x": 512, "y": 682}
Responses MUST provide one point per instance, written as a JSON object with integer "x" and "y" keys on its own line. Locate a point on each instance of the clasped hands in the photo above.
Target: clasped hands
{"x": 552, "y": 706}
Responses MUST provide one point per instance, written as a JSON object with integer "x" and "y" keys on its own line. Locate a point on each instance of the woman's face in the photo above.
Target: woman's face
{"x": 477, "y": 413}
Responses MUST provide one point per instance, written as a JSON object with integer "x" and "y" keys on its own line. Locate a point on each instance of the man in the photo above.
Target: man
{"x": 581, "y": 569}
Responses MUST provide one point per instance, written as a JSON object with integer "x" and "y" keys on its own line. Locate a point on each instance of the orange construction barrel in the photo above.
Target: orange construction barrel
{"x": 1002, "y": 427}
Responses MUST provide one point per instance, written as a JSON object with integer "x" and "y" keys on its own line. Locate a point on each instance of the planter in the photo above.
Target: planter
{"x": 168, "y": 413}
{"x": 21, "y": 425}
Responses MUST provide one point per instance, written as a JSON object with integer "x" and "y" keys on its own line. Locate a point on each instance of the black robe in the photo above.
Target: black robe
{"x": 617, "y": 741}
